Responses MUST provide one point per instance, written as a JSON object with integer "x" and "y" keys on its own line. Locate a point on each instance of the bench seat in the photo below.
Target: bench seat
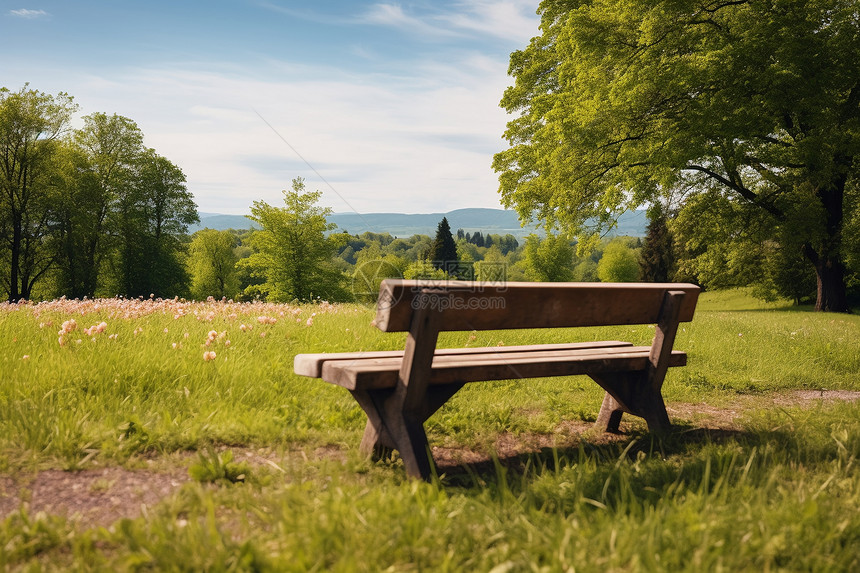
{"x": 378, "y": 370}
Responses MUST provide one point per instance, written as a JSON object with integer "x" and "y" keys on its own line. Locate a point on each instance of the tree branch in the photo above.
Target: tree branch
{"x": 740, "y": 190}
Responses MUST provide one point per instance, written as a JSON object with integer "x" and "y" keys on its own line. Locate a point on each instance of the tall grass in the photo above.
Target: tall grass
{"x": 779, "y": 493}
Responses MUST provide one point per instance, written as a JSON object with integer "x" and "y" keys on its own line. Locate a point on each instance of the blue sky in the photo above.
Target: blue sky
{"x": 393, "y": 105}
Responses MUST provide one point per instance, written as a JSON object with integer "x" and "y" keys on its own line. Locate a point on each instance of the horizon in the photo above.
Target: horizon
{"x": 384, "y": 107}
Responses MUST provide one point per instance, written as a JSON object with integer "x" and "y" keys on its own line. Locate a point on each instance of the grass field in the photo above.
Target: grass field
{"x": 168, "y": 435}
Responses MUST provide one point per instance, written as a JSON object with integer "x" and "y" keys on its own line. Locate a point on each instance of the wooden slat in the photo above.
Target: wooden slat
{"x": 311, "y": 364}
{"x": 382, "y": 373}
{"x": 488, "y": 306}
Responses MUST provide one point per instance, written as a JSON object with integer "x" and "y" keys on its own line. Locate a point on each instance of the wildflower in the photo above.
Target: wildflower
{"x": 310, "y": 322}
{"x": 262, "y": 335}
{"x": 209, "y": 355}
{"x": 227, "y": 344}
{"x": 62, "y": 340}
{"x": 165, "y": 331}
{"x": 25, "y": 357}
{"x": 175, "y": 346}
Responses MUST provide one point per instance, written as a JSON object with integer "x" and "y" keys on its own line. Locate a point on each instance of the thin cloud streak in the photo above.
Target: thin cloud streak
{"x": 28, "y": 14}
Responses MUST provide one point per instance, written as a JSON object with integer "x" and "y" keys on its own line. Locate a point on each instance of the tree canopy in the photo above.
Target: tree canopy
{"x": 758, "y": 101}
{"x": 292, "y": 252}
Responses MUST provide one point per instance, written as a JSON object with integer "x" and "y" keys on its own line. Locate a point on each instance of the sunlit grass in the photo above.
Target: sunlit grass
{"x": 781, "y": 492}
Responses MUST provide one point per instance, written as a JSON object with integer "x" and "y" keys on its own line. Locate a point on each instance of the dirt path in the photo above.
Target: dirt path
{"x": 99, "y": 497}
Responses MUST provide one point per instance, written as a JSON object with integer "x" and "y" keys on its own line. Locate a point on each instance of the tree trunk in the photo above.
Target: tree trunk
{"x": 827, "y": 258}
{"x": 832, "y": 293}
{"x": 15, "y": 265}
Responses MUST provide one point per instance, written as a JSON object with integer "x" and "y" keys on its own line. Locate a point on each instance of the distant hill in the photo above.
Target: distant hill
{"x": 496, "y": 221}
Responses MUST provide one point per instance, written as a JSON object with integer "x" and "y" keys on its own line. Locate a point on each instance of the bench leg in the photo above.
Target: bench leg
{"x": 609, "y": 418}
{"x": 391, "y": 427}
{"x": 376, "y": 442}
{"x": 630, "y": 392}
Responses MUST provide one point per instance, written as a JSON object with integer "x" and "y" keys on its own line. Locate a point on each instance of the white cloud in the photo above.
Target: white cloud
{"x": 392, "y": 15}
{"x": 509, "y": 19}
{"x": 29, "y": 14}
{"x": 421, "y": 142}
{"x": 513, "y": 19}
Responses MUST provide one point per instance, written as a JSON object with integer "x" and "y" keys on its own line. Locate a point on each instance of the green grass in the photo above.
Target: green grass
{"x": 779, "y": 493}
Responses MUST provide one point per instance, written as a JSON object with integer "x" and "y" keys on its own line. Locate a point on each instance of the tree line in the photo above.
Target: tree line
{"x": 89, "y": 211}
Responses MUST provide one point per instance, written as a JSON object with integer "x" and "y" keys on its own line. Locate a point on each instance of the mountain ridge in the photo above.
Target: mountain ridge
{"x": 495, "y": 221}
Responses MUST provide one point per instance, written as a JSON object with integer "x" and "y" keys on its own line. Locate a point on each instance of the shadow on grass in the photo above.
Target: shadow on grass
{"x": 600, "y": 457}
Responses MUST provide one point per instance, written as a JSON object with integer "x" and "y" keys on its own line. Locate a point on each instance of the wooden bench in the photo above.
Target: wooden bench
{"x": 399, "y": 390}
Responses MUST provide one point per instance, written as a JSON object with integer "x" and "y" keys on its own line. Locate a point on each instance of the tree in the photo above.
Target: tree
{"x": 549, "y": 259}
{"x": 31, "y": 125}
{"x": 656, "y": 258}
{"x": 153, "y": 217}
{"x": 96, "y": 213}
{"x": 212, "y": 264}
{"x": 620, "y": 102}
{"x": 292, "y": 253}
{"x": 619, "y": 263}
{"x": 443, "y": 253}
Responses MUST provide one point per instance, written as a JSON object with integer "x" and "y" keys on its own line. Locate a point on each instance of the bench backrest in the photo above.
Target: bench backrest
{"x": 469, "y": 305}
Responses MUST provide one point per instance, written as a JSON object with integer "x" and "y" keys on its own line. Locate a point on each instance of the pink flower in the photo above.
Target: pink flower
{"x": 310, "y": 322}
{"x": 25, "y": 357}
{"x": 209, "y": 355}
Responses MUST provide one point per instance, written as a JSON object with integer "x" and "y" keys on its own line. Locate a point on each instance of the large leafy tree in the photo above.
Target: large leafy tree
{"x": 292, "y": 251}
{"x": 31, "y": 126}
{"x": 152, "y": 219}
{"x": 103, "y": 165}
{"x": 757, "y": 101}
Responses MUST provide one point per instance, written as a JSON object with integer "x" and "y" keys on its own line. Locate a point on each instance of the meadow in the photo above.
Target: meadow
{"x": 171, "y": 435}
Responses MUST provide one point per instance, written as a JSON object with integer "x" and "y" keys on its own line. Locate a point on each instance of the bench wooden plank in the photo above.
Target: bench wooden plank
{"x": 311, "y": 364}
{"x": 382, "y": 373}
{"x": 487, "y": 306}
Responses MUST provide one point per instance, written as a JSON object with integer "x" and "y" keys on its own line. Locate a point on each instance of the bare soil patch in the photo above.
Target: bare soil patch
{"x": 99, "y": 497}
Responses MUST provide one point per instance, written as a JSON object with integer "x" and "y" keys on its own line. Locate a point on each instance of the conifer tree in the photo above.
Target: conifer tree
{"x": 657, "y": 257}
{"x": 443, "y": 253}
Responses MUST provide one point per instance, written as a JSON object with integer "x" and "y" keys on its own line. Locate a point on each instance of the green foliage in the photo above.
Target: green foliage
{"x": 212, "y": 264}
{"x": 548, "y": 259}
{"x": 292, "y": 253}
{"x": 724, "y": 243}
{"x": 424, "y": 270}
{"x": 617, "y": 103}
{"x": 32, "y": 124}
{"x": 619, "y": 263}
